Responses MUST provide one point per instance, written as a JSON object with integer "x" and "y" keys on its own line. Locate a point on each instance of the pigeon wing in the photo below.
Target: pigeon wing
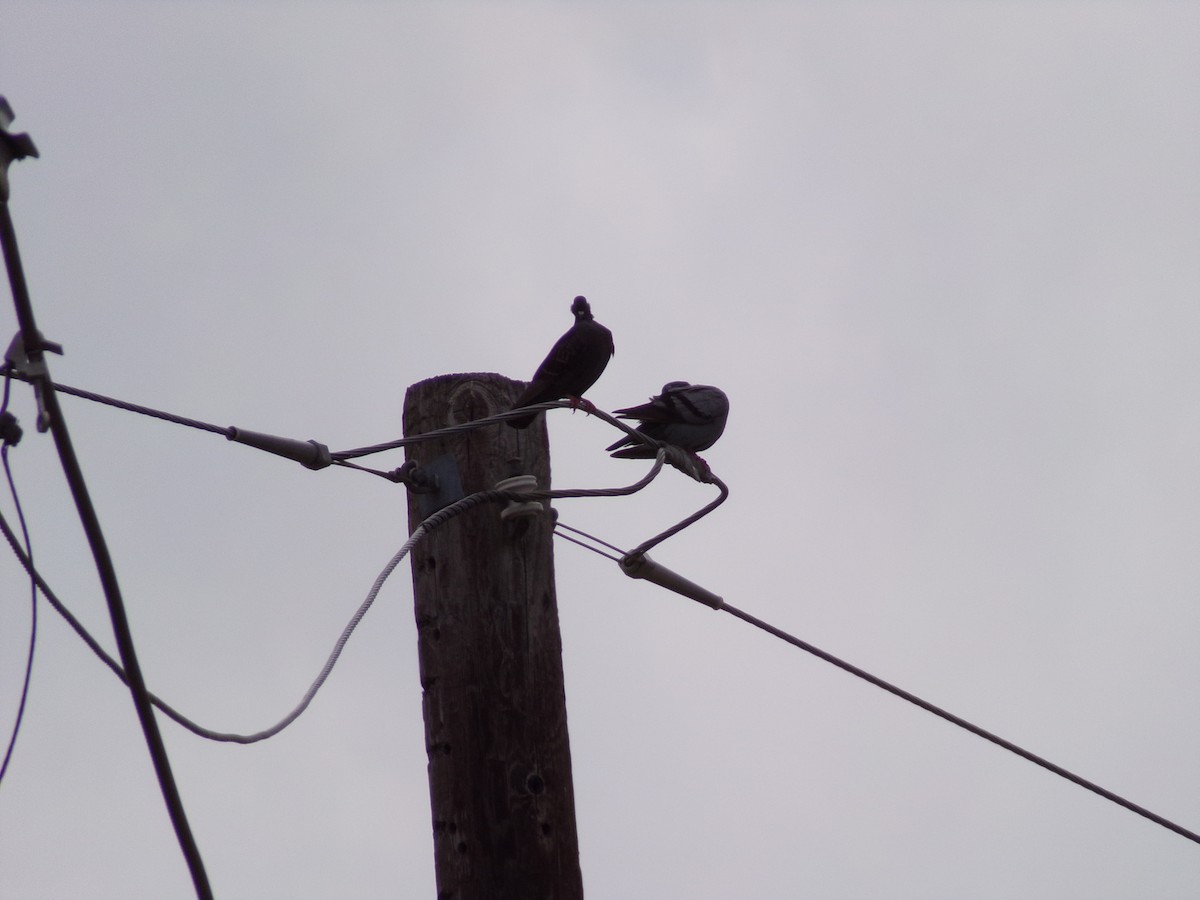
{"x": 691, "y": 416}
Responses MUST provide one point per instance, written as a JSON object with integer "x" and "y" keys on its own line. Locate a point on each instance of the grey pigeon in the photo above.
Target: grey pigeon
{"x": 574, "y": 363}
{"x": 691, "y": 416}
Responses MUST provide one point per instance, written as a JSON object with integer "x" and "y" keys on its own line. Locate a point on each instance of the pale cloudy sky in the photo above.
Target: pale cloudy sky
{"x": 942, "y": 257}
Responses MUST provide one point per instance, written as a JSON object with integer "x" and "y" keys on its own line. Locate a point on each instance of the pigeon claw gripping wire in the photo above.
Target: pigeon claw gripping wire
{"x": 639, "y": 565}
{"x": 516, "y": 509}
{"x": 689, "y": 463}
{"x": 576, "y": 403}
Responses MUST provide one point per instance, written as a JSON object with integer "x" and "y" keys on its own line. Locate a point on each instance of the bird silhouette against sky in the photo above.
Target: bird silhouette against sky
{"x": 575, "y": 362}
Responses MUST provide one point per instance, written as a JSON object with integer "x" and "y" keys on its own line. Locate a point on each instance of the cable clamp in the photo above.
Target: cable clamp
{"x": 435, "y": 483}
{"x": 309, "y": 454}
{"x": 33, "y": 370}
{"x": 639, "y": 565}
{"x": 520, "y": 484}
{"x": 416, "y": 479}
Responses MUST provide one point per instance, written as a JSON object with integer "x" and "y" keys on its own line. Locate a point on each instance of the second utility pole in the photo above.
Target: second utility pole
{"x": 490, "y": 657}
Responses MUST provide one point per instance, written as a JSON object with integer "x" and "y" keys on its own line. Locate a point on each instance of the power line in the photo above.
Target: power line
{"x": 592, "y": 546}
{"x": 962, "y": 723}
{"x": 51, "y": 415}
{"x": 342, "y": 457}
{"x": 316, "y": 456}
{"x": 304, "y": 452}
{"x": 201, "y": 731}
{"x": 670, "y": 454}
{"x": 10, "y": 434}
{"x": 141, "y": 410}
{"x": 493, "y": 496}
{"x": 901, "y": 693}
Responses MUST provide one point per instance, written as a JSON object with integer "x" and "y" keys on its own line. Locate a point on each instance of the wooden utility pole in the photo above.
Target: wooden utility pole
{"x": 490, "y": 657}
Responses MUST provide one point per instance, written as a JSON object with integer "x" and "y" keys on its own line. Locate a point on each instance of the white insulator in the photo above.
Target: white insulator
{"x": 520, "y": 484}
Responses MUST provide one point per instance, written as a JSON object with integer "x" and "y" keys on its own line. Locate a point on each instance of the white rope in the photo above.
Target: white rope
{"x": 229, "y": 737}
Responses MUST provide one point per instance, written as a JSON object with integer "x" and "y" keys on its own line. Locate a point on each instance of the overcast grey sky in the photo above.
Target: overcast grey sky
{"x": 942, "y": 257}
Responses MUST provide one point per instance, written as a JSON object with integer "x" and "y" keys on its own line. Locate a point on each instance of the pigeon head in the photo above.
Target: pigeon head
{"x": 582, "y": 311}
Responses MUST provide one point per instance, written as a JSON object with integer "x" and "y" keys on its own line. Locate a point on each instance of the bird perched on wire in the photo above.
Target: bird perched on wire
{"x": 690, "y": 416}
{"x": 573, "y": 365}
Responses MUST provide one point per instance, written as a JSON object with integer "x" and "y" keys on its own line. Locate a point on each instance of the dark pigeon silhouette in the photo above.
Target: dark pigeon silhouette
{"x": 574, "y": 364}
{"x": 690, "y": 416}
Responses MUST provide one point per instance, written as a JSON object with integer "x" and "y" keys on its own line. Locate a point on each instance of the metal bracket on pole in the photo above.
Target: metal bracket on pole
{"x": 436, "y": 484}
{"x": 33, "y": 371}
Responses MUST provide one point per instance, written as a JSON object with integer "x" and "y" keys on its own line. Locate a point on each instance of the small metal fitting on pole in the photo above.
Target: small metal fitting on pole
{"x": 435, "y": 484}
{"x": 33, "y": 369}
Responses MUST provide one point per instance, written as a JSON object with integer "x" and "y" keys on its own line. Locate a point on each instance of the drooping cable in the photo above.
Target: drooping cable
{"x": 665, "y": 454}
{"x": 10, "y": 435}
{"x": 322, "y": 676}
{"x": 34, "y": 350}
{"x": 419, "y": 533}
